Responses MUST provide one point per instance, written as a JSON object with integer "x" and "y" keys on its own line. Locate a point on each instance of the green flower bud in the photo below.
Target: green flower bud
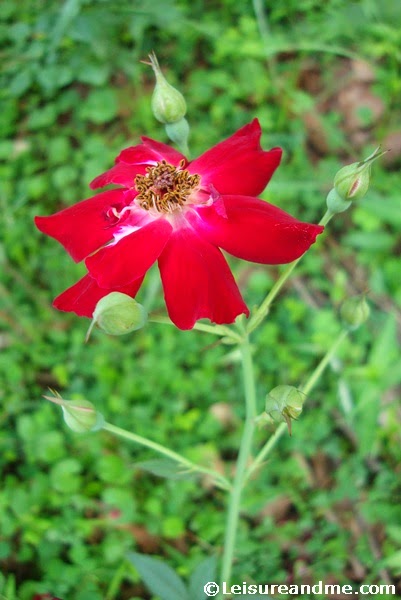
{"x": 335, "y": 203}
{"x": 355, "y": 311}
{"x": 284, "y": 403}
{"x": 168, "y": 104}
{"x": 352, "y": 181}
{"x": 80, "y": 415}
{"x": 117, "y": 314}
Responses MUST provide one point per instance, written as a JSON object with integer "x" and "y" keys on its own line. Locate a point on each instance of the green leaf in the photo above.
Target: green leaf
{"x": 164, "y": 467}
{"x": 394, "y": 563}
{"x": 59, "y": 150}
{"x": 388, "y": 209}
{"x": 158, "y": 577}
{"x": 204, "y": 572}
{"x": 173, "y": 527}
{"x": 64, "y": 476}
{"x": 385, "y": 348}
{"x": 67, "y": 14}
{"x": 394, "y": 533}
{"x": 93, "y": 74}
{"x": 53, "y": 77}
{"x": 8, "y": 588}
{"x": 41, "y": 118}
{"x": 20, "y": 83}
{"x": 380, "y": 241}
{"x": 63, "y": 176}
{"x": 100, "y": 106}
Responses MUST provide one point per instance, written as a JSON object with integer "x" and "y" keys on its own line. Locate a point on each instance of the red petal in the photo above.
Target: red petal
{"x": 134, "y": 161}
{"x": 257, "y": 231}
{"x": 197, "y": 282}
{"x": 130, "y": 162}
{"x": 120, "y": 174}
{"x": 130, "y": 258}
{"x": 163, "y": 151}
{"x": 150, "y": 152}
{"x": 238, "y": 165}
{"x": 83, "y": 296}
{"x": 83, "y": 227}
{"x": 138, "y": 155}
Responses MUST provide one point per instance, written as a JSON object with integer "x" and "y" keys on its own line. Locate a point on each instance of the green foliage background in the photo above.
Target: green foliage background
{"x": 73, "y": 93}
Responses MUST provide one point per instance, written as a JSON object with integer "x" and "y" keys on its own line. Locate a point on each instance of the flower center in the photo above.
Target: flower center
{"x": 165, "y": 188}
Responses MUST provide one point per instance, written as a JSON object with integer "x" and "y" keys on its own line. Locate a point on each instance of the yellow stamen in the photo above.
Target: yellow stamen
{"x": 165, "y": 188}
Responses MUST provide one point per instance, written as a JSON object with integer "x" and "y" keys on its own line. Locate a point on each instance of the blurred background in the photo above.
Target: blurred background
{"x": 325, "y": 82}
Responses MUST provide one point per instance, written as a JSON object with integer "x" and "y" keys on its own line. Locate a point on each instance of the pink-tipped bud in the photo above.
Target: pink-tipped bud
{"x": 352, "y": 182}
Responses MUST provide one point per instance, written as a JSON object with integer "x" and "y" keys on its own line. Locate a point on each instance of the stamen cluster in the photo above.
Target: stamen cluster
{"x": 165, "y": 188}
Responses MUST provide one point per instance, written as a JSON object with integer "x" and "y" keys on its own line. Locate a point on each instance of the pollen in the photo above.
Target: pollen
{"x": 165, "y": 188}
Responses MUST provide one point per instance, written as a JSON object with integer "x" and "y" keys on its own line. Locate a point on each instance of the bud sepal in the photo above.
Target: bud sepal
{"x": 284, "y": 403}
{"x": 335, "y": 203}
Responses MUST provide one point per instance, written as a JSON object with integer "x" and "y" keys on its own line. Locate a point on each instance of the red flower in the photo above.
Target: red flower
{"x": 179, "y": 213}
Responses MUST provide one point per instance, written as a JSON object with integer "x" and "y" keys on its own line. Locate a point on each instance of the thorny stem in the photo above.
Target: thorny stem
{"x": 188, "y": 465}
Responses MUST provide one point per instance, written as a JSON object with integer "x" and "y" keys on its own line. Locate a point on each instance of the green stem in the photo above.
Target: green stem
{"x": 309, "y": 385}
{"x": 242, "y": 461}
{"x": 315, "y": 376}
{"x": 220, "y": 330}
{"x": 265, "y": 34}
{"x": 263, "y": 310}
{"x": 220, "y": 480}
{"x": 116, "y": 581}
{"x": 184, "y": 149}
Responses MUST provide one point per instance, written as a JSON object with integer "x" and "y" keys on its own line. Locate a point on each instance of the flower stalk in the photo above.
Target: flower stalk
{"x": 188, "y": 466}
{"x": 243, "y": 470}
{"x": 242, "y": 461}
{"x": 220, "y": 330}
